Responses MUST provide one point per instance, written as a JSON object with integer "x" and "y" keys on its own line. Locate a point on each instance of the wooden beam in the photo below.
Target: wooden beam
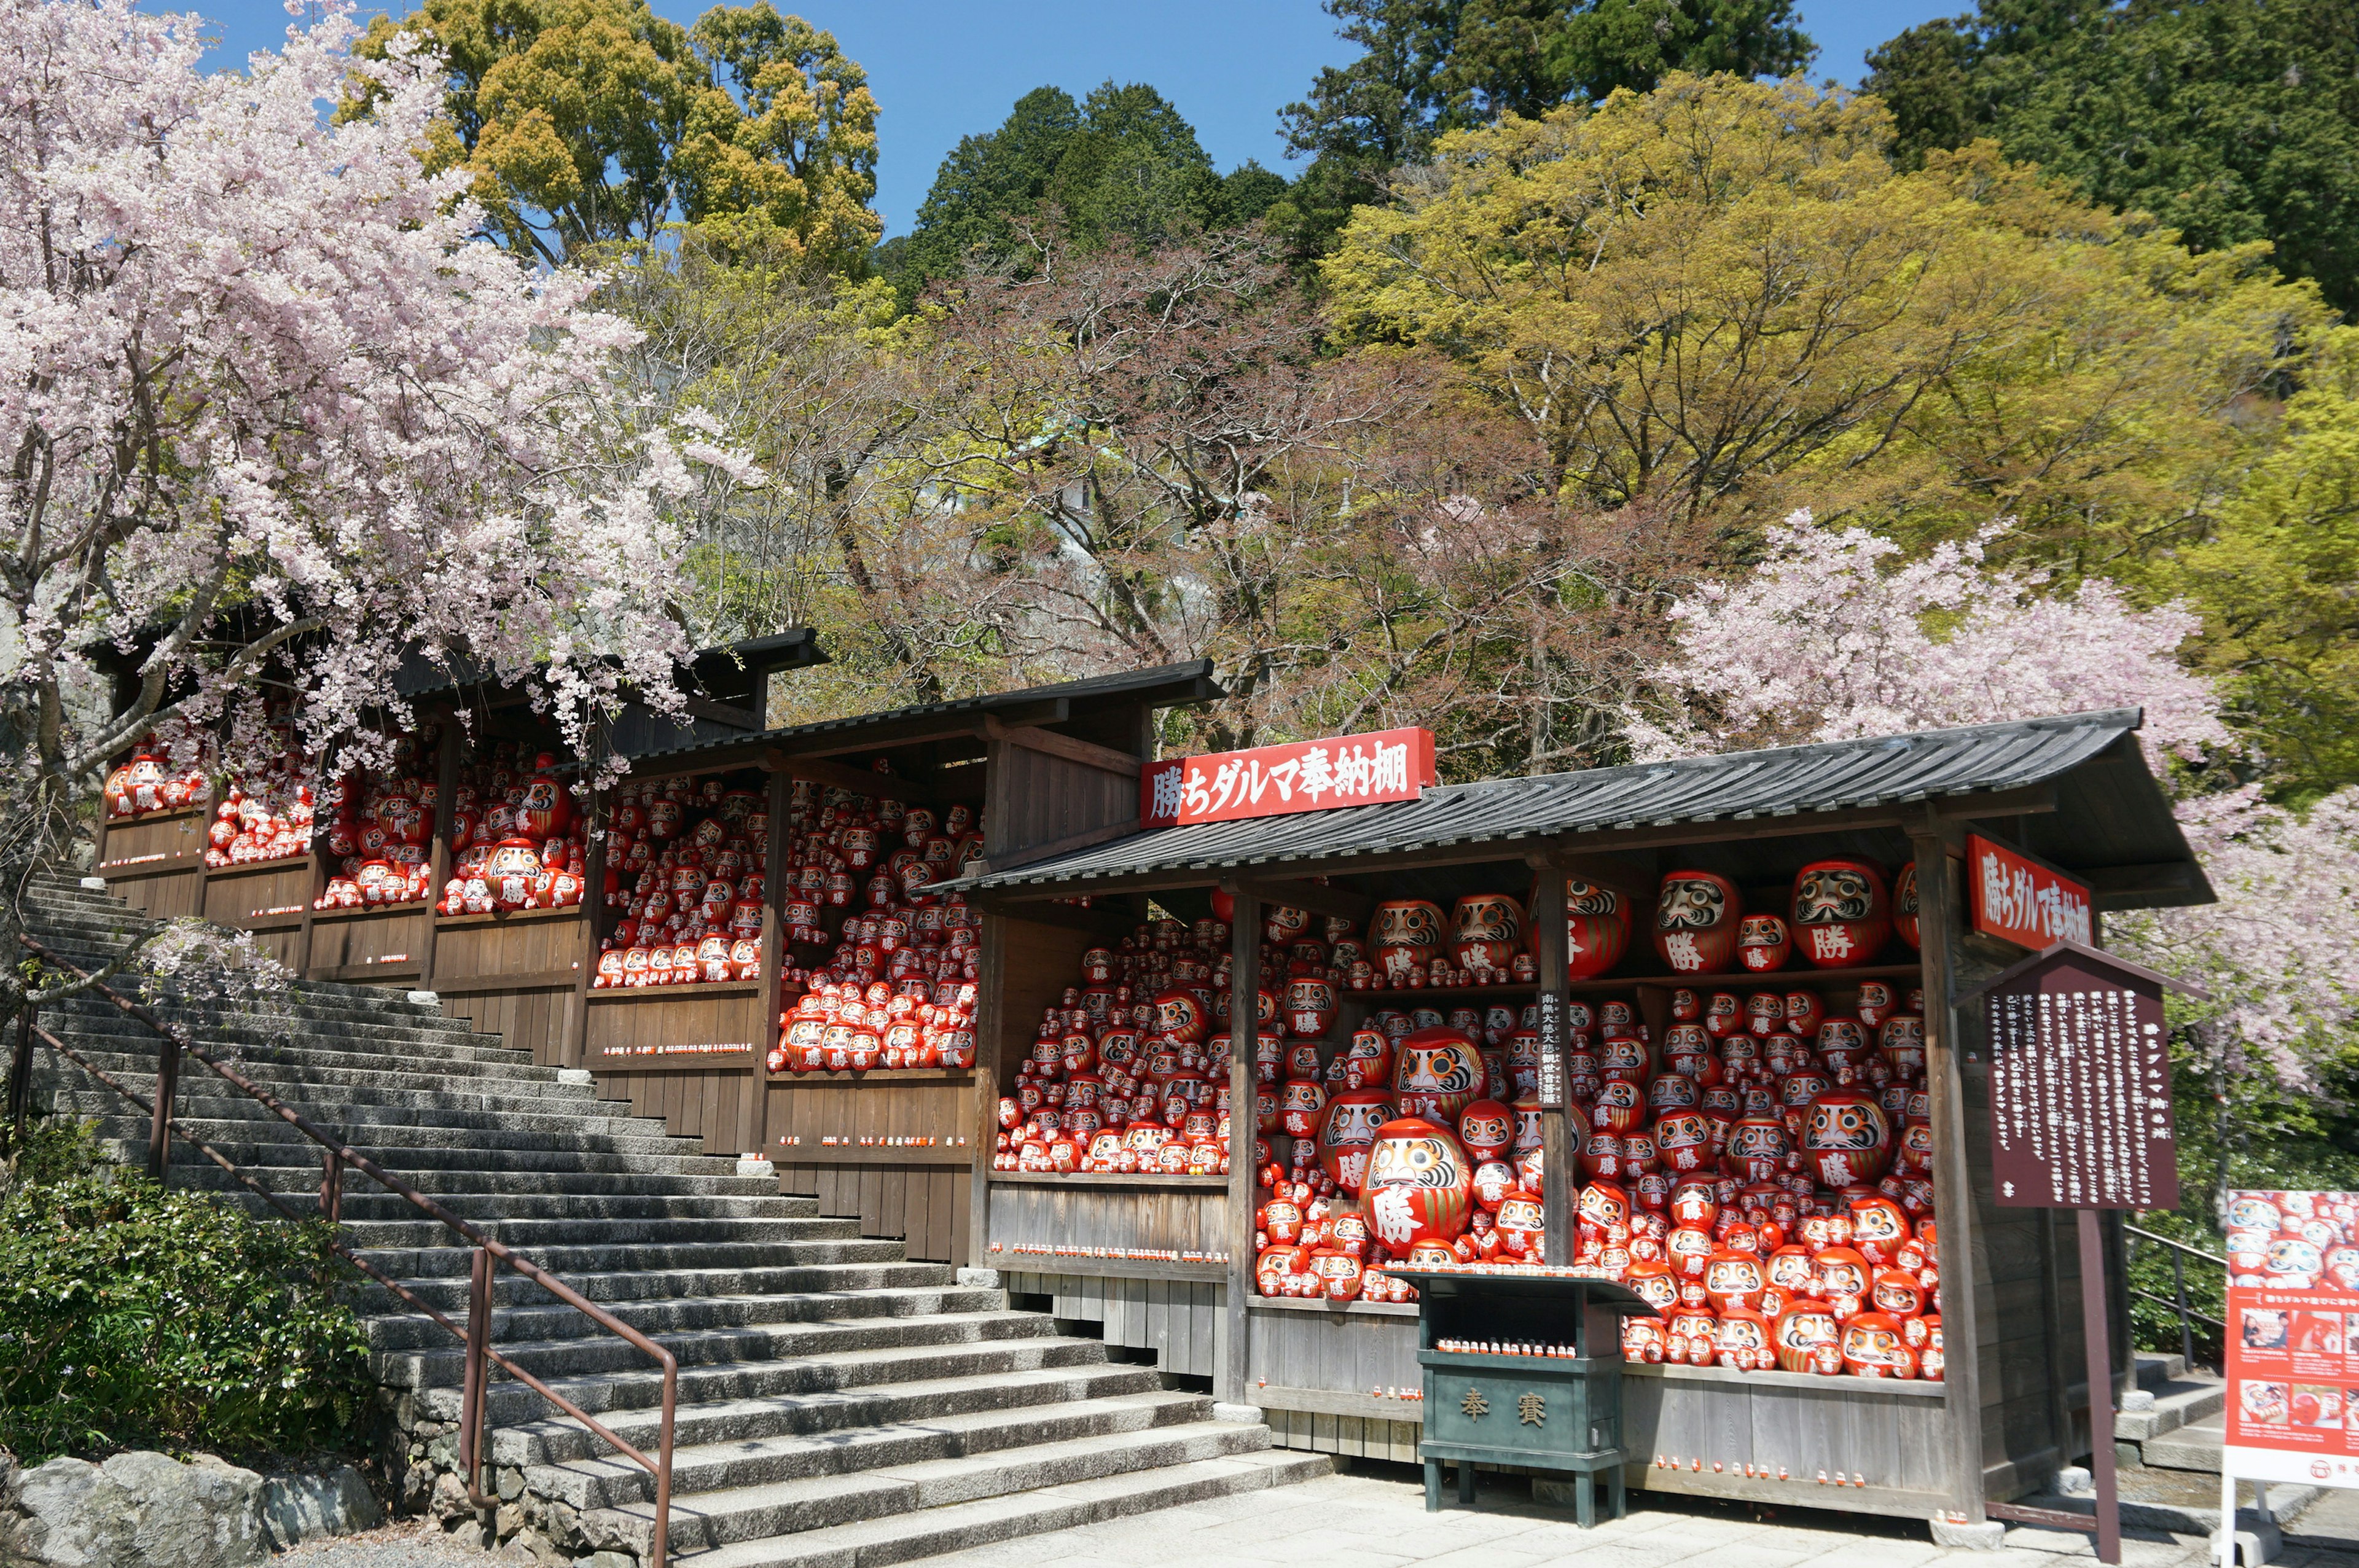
{"x": 1317, "y": 897}
{"x": 722, "y": 712}
{"x": 1630, "y": 874}
{"x": 1048, "y": 741}
{"x": 1105, "y": 918}
{"x": 859, "y": 781}
{"x": 1065, "y": 846}
{"x": 2110, "y": 887}
{"x": 1557, "y": 1153}
{"x": 958, "y": 724}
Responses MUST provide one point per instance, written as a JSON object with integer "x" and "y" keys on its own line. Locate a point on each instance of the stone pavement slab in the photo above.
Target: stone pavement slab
{"x": 1373, "y": 1517}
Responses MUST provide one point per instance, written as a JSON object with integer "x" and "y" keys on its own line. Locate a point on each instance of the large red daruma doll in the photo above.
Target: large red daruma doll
{"x": 1420, "y": 1187}
{"x": 1846, "y": 1139}
{"x": 1697, "y": 916}
{"x": 1348, "y": 1131}
{"x": 1404, "y": 937}
{"x": 1843, "y": 916}
{"x": 1596, "y": 931}
{"x": 1486, "y": 931}
{"x": 1438, "y": 1074}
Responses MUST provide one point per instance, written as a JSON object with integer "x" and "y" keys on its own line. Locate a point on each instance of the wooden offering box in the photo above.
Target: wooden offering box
{"x": 1344, "y": 1376}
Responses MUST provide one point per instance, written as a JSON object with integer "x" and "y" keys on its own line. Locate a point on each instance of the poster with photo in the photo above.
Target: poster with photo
{"x": 2293, "y": 1337}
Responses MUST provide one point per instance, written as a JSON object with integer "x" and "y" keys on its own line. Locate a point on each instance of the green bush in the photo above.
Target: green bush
{"x": 131, "y": 1315}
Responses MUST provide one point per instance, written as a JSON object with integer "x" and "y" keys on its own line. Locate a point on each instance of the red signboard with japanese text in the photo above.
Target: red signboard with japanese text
{"x": 2019, "y": 900}
{"x": 1279, "y": 781}
{"x": 2293, "y": 1337}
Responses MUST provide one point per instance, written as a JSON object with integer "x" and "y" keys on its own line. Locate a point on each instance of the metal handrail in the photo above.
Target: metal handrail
{"x": 489, "y": 1253}
{"x": 2188, "y": 1316}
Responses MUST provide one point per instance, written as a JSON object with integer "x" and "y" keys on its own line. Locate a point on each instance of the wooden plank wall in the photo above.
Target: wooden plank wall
{"x": 1331, "y": 1347}
{"x": 1180, "y": 1320}
{"x": 1037, "y": 799}
{"x": 369, "y": 945}
{"x": 518, "y": 948}
{"x": 172, "y": 882}
{"x": 674, "y": 1015}
{"x": 1890, "y": 1433}
{"x": 919, "y": 1194}
{"x": 695, "y": 1099}
{"x": 1111, "y": 1211}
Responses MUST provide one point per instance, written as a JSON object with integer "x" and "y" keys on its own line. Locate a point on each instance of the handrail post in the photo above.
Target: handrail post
{"x": 473, "y": 1417}
{"x": 20, "y": 1077}
{"x": 2179, "y": 1289}
{"x": 332, "y": 1186}
{"x": 663, "y": 1467}
{"x": 168, "y": 1090}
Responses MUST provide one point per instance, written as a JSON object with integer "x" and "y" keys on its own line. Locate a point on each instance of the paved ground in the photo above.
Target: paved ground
{"x": 1375, "y": 1518}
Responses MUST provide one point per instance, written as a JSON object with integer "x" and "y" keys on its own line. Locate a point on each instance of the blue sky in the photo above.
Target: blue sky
{"x": 942, "y": 69}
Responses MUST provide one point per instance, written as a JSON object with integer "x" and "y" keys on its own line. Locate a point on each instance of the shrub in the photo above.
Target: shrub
{"x": 131, "y": 1315}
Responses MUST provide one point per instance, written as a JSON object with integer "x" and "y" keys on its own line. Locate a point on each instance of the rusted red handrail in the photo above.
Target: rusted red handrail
{"x": 476, "y": 1336}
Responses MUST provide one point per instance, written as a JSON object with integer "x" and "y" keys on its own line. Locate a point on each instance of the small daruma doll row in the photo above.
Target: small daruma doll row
{"x": 885, "y": 968}
{"x": 1841, "y": 912}
{"x": 146, "y": 784}
{"x": 685, "y": 859}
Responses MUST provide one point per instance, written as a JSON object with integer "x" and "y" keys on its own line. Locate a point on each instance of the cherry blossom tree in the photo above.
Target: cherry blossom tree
{"x": 1831, "y": 636}
{"x": 274, "y": 420}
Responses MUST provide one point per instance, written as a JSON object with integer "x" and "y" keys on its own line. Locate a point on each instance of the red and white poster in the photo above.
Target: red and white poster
{"x": 2019, "y": 900}
{"x": 2293, "y": 1337}
{"x": 1279, "y": 781}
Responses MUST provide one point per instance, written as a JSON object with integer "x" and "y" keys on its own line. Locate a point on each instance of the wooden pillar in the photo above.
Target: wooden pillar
{"x": 1556, "y": 1152}
{"x": 1939, "y": 906}
{"x": 990, "y": 1019}
{"x": 1245, "y": 1028}
{"x": 593, "y": 920}
{"x": 446, "y": 786}
{"x": 777, "y": 800}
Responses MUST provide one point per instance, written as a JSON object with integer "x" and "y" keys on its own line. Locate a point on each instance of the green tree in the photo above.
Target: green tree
{"x": 592, "y": 122}
{"x": 2230, "y": 120}
{"x": 1123, "y": 163}
{"x": 1428, "y": 67}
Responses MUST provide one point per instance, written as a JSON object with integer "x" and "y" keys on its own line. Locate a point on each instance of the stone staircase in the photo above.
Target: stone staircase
{"x": 2181, "y": 1424}
{"x": 838, "y": 1403}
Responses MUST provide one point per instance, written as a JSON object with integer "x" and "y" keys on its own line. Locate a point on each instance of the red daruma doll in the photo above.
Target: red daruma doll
{"x": 1420, "y": 1184}
{"x": 1842, "y": 914}
{"x": 1697, "y": 916}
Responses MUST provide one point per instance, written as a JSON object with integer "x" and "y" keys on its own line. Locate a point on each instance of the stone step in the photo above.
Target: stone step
{"x": 2194, "y": 1446}
{"x": 833, "y": 1413}
{"x": 792, "y": 1508}
{"x": 326, "y": 1007}
{"x": 482, "y": 1133}
{"x": 641, "y": 1388}
{"x": 2183, "y": 1401}
{"x": 403, "y": 1160}
{"x": 679, "y": 1314}
{"x": 614, "y": 1482}
{"x": 308, "y": 1047}
{"x": 588, "y": 1348}
{"x": 411, "y": 1265}
{"x": 535, "y": 1236}
{"x": 234, "y": 1106}
{"x": 436, "y": 1184}
{"x": 370, "y": 1202}
{"x": 449, "y": 1293}
{"x": 925, "y": 1533}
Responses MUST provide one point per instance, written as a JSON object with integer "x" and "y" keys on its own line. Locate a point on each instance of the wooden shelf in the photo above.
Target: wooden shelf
{"x": 399, "y": 970}
{"x": 1791, "y": 974}
{"x": 142, "y": 818}
{"x": 1333, "y": 1309}
{"x": 509, "y": 916}
{"x": 268, "y": 923}
{"x": 1441, "y": 993}
{"x": 1099, "y": 1179}
{"x": 1326, "y": 1402}
{"x": 669, "y": 993}
{"x": 790, "y": 1079}
{"x": 284, "y": 862}
{"x": 1103, "y": 1268}
{"x": 530, "y": 979}
{"x": 1844, "y": 1384}
{"x": 807, "y": 1154}
{"x": 140, "y": 866}
{"x": 363, "y": 912}
{"x": 737, "y": 1060}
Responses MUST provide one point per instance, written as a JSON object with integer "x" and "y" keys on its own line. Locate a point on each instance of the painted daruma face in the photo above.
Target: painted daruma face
{"x": 1696, "y": 919}
{"x": 1487, "y": 1130}
{"x": 1842, "y": 914}
{"x": 1439, "y": 1074}
{"x": 1763, "y": 943}
{"x": 1846, "y": 1139}
{"x": 1486, "y": 931}
{"x": 1348, "y": 1132}
{"x": 1420, "y": 1184}
{"x": 1405, "y": 934}
{"x": 1596, "y": 930}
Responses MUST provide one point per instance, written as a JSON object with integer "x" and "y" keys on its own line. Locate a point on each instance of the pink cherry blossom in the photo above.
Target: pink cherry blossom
{"x": 271, "y": 409}
{"x": 1832, "y": 637}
